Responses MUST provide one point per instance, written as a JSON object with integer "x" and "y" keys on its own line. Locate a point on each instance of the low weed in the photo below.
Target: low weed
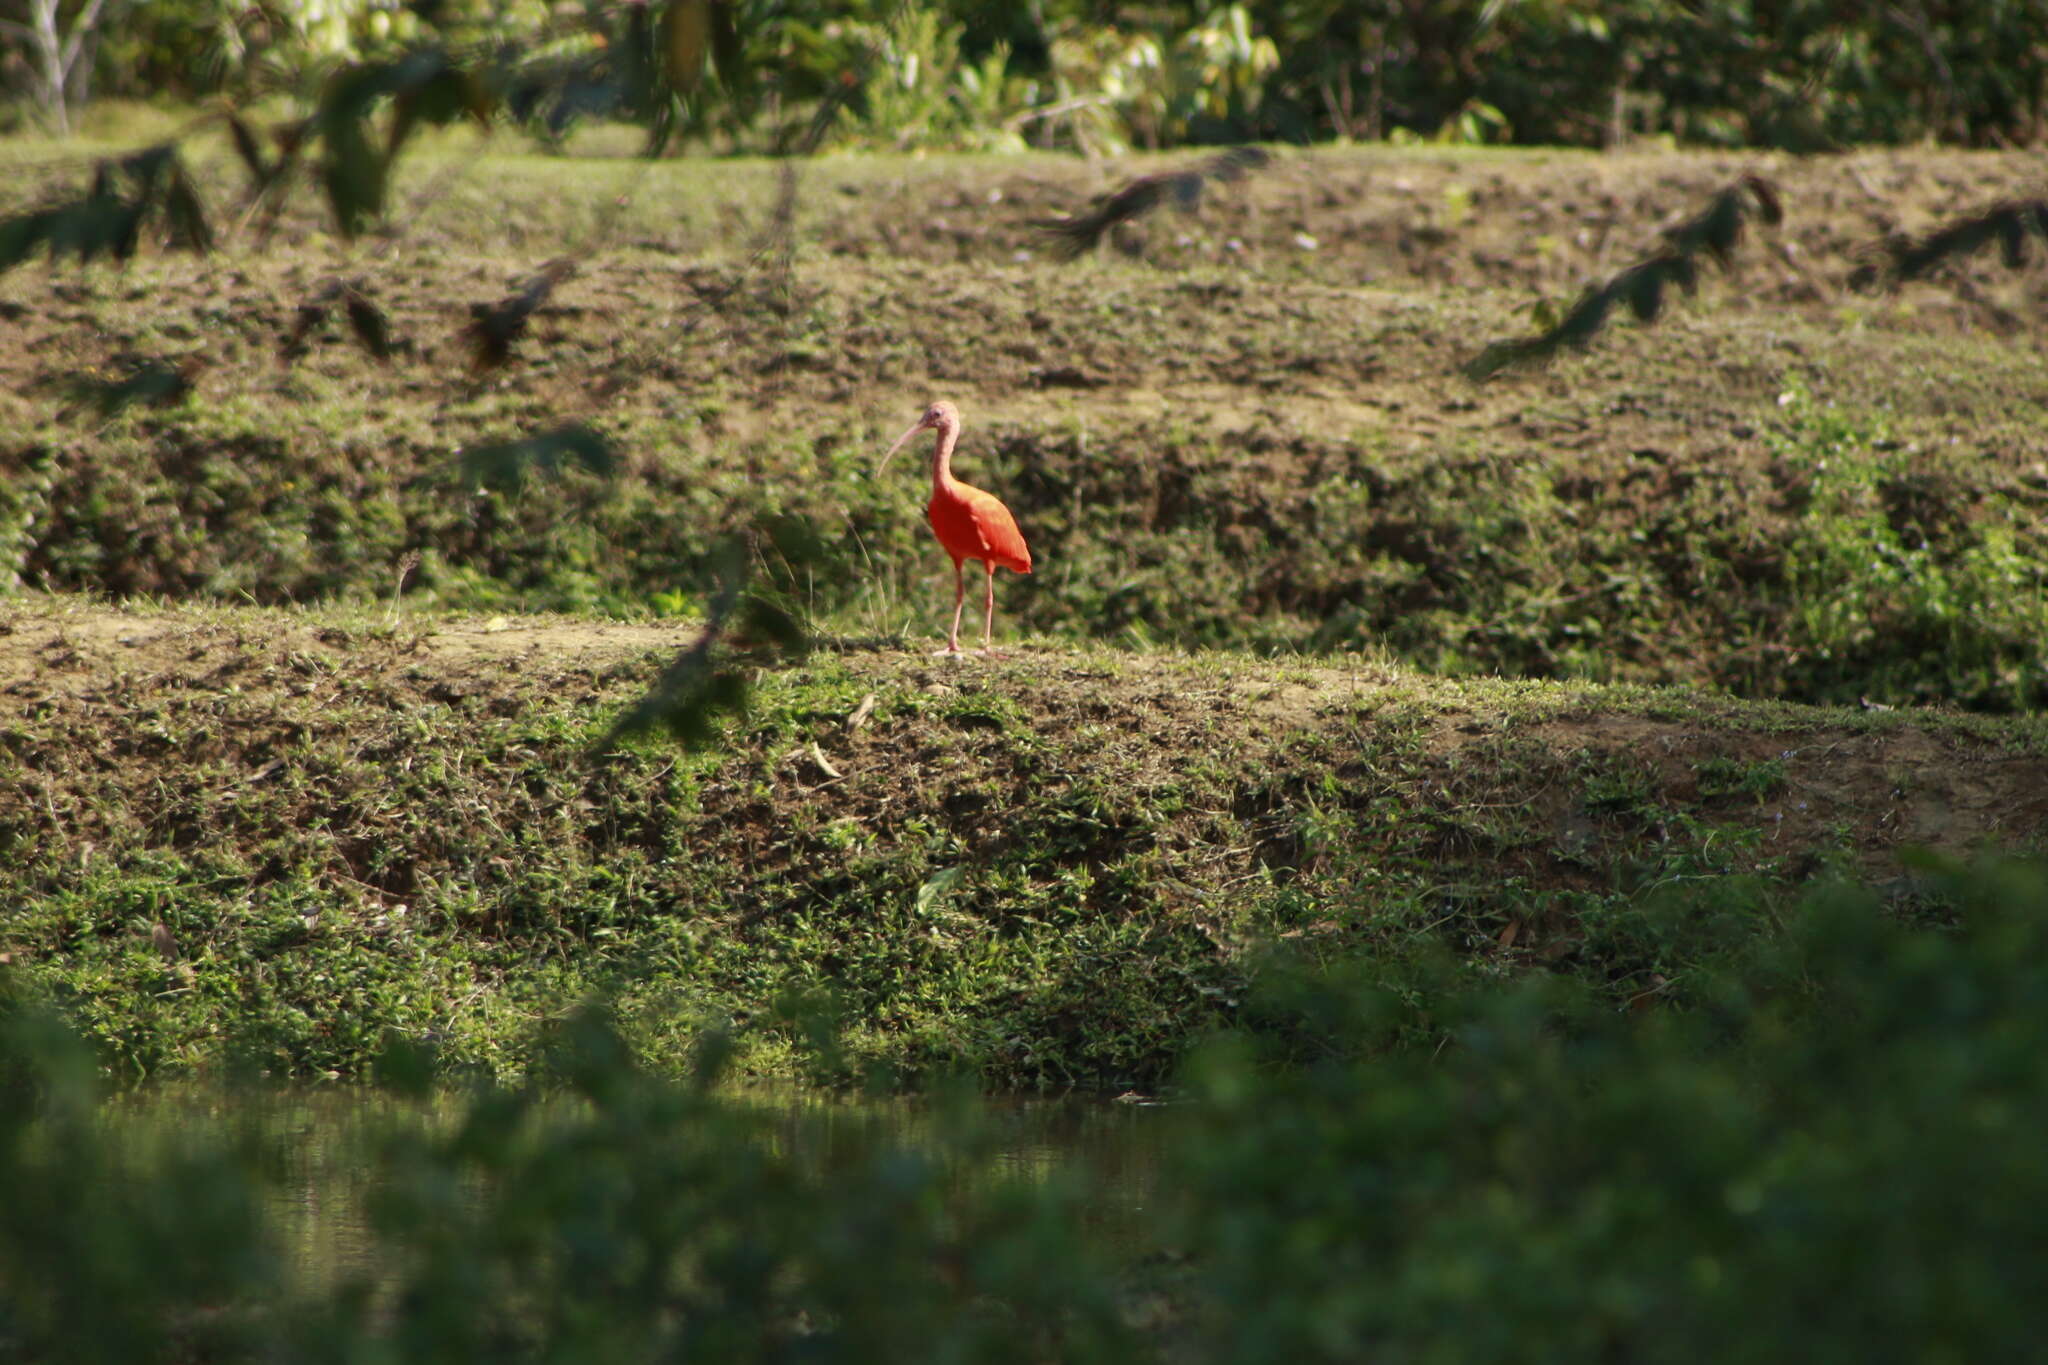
{"x": 1906, "y": 584}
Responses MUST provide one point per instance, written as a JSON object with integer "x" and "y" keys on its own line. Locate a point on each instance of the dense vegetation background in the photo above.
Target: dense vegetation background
{"x": 1560, "y": 1054}
{"x": 1797, "y": 74}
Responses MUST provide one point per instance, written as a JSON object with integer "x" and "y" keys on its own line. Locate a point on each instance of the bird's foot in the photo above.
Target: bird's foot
{"x": 949, "y": 652}
{"x": 989, "y": 652}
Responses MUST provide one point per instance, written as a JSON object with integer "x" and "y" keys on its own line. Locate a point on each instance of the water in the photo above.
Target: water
{"x": 321, "y": 1146}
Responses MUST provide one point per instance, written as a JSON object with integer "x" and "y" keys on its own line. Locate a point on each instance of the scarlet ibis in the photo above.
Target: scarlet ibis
{"x": 969, "y": 523}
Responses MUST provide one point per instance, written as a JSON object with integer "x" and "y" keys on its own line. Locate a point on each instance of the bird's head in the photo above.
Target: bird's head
{"x": 940, "y": 416}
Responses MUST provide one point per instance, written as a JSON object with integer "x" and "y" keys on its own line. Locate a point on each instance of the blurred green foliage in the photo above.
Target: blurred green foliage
{"x": 1827, "y": 1154}
{"x": 1827, "y": 1147}
{"x": 1642, "y": 287}
{"x": 1801, "y": 74}
{"x": 599, "y": 1214}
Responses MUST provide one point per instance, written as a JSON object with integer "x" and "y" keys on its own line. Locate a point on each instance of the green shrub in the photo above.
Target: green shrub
{"x": 1903, "y": 583}
{"x": 1832, "y": 1155}
{"x": 610, "y": 1216}
{"x": 1827, "y": 1150}
{"x": 1801, "y": 75}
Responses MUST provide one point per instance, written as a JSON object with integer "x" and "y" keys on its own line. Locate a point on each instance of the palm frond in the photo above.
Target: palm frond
{"x": 149, "y": 380}
{"x": 427, "y": 85}
{"x": 1074, "y": 235}
{"x": 1643, "y": 287}
{"x": 368, "y": 321}
{"x": 109, "y": 219}
{"x": 493, "y": 328}
{"x": 742, "y": 627}
{"x": 508, "y": 464}
{"x": 249, "y": 150}
{"x": 2012, "y": 223}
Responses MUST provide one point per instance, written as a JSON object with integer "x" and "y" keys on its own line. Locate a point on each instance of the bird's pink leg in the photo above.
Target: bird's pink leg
{"x": 988, "y": 619}
{"x": 959, "y": 601}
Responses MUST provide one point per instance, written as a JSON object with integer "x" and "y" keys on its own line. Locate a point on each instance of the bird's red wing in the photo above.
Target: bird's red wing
{"x": 1000, "y": 538}
{"x": 993, "y": 531}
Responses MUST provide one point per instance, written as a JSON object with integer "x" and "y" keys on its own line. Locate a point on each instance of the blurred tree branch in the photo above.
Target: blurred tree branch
{"x": 61, "y": 59}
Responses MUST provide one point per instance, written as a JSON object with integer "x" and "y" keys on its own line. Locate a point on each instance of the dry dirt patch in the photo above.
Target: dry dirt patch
{"x": 48, "y": 646}
{"x": 1897, "y": 787}
{"x": 1883, "y": 780}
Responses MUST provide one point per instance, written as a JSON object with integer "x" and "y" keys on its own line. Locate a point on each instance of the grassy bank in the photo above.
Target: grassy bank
{"x": 299, "y": 792}
{"x": 276, "y": 837}
{"x": 1245, "y": 430}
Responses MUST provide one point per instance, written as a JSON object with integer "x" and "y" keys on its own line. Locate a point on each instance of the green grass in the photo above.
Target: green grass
{"x": 1054, "y": 870}
{"x": 1216, "y": 439}
{"x": 1879, "y": 572}
{"x": 1253, "y": 452}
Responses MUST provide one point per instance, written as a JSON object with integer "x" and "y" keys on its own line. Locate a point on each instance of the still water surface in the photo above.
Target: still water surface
{"x": 321, "y": 1141}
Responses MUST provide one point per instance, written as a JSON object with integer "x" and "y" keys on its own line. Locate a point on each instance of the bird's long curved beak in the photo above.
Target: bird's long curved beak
{"x": 898, "y": 446}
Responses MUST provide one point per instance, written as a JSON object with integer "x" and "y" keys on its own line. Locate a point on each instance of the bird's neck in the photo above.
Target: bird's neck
{"x": 942, "y": 458}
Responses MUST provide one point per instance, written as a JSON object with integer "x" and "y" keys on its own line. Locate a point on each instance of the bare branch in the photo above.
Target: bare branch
{"x": 81, "y": 27}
